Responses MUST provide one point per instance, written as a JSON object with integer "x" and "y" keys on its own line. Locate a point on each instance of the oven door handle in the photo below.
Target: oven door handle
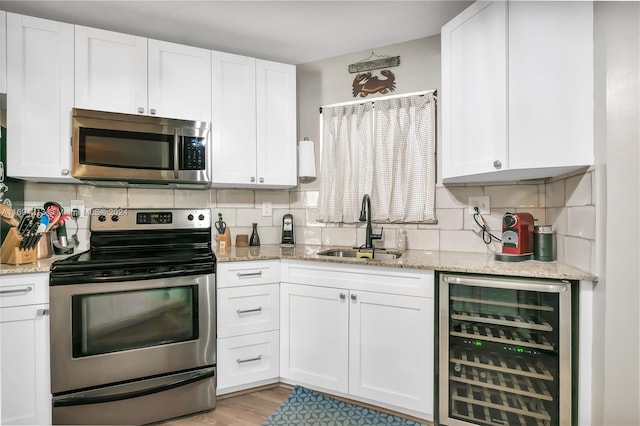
{"x": 85, "y": 398}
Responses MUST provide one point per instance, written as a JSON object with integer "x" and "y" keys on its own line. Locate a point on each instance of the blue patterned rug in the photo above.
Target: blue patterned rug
{"x": 309, "y": 408}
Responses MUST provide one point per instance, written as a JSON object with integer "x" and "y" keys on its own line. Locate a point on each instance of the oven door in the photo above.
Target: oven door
{"x": 121, "y": 331}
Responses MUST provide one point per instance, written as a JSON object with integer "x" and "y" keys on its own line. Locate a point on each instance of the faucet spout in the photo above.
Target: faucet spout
{"x": 365, "y": 215}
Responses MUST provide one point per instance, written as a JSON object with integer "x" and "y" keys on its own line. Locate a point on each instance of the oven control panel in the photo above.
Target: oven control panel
{"x": 122, "y": 219}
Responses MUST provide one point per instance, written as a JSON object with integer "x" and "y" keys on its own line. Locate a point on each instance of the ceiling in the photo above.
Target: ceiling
{"x": 293, "y": 32}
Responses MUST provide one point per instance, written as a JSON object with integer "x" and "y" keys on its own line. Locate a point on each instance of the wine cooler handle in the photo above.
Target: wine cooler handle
{"x": 518, "y": 284}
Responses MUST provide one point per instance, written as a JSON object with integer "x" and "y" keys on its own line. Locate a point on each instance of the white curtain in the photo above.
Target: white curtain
{"x": 346, "y": 166}
{"x": 386, "y": 151}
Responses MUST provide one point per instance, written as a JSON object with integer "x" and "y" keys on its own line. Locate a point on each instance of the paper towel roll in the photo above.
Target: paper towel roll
{"x": 306, "y": 159}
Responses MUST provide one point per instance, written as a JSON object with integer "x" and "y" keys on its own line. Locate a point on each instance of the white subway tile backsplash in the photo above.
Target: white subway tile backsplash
{"x": 228, "y": 215}
{"x": 245, "y": 217}
{"x": 577, "y": 252}
{"x": 447, "y": 219}
{"x": 454, "y": 197}
{"x": 304, "y": 199}
{"x": 94, "y": 196}
{"x": 578, "y": 190}
{"x": 305, "y": 235}
{"x": 140, "y": 197}
{"x": 582, "y": 222}
{"x": 40, "y": 193}
{"x": 494, "y": 222}
{"x": 513, "y": 196}
{"x": 555, "y": 194}
{"x": 278, "y": 199}
{"x": 423, "y": 239}
{"x": 239, "y": 198}
{"x": 467, "y": 241}
{"x": 192, "y": 198}
{"x": 339, "y": 236}
{"x": 558, "y": 218}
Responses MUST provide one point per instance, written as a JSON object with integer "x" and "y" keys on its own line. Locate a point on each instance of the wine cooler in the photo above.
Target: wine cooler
{"x": 505, "y": 351}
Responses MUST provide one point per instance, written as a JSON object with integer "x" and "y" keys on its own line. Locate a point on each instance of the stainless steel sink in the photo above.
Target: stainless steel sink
{"x": 353, "y": 253}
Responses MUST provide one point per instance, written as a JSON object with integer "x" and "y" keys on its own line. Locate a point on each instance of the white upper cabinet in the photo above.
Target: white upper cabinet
{"x": 39, "y": 98}
{"x": 3, "y": 51}
{"x": 253, "y": 122}
{"x": 517, "y": 91}
{"x": 129, "y": 74}
{"x": 111, "y": 71}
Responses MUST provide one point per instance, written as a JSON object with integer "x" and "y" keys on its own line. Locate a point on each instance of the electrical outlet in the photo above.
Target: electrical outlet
{"x": 77, "y": 204}
{"x": 267, "y": 209}
{"x": 481, "y": 203}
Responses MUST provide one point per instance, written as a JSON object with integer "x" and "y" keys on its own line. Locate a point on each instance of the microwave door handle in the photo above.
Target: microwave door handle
{"x": 176, "y": 153}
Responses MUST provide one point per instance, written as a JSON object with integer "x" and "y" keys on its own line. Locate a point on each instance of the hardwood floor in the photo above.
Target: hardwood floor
{"x": 239, "y": 410}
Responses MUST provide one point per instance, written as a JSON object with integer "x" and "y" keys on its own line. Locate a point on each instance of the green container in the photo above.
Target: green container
{"x": 544, "y": 243}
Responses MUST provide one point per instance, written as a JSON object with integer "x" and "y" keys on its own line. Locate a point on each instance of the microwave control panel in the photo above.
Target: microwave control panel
{"x": 193, "y": 153}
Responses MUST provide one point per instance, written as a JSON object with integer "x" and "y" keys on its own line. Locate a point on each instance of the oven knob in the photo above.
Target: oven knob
{"x": 115, "y": 218}
{"x": 102, "y": 218}
{"x": 190, "y": 217}
{"x": 201, "y": 216}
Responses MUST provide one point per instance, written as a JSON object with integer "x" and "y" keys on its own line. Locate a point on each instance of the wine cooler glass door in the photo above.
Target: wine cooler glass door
{"x": 505, "y": 353}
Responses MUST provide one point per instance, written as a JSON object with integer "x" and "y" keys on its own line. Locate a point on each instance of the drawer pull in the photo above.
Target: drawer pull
{"x": 246, "y": 311}
{"x": 242, "y": 361}
{"x": 42, "y": 312}
{"x": 21, "y": 291}
{"x": 249, "y": 274}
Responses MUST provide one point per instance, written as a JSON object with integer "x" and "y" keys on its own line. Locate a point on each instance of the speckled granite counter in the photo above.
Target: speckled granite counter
{"x": 29, "y": 268}
{"x": 478, "y": 263}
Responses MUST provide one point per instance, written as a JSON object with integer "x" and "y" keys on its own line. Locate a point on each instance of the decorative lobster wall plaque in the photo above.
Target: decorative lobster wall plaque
{"x": 366, "y": 83}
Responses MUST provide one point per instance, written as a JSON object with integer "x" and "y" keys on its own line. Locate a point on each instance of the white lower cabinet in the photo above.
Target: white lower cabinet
{"x": 25, "y": 391}
{"x": 363, "y": 332}
{"x": 247, "y": 324}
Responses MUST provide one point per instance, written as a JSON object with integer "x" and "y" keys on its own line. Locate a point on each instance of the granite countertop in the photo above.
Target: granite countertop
{"x": 479, "y": 263}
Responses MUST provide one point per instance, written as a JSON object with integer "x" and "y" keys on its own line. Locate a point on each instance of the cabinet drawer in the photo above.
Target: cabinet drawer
{"x": 251, "y": 309}
{"x": 234, "y": 274}
{"x": 247, "y": 359}
{"x": 24, "y": 289}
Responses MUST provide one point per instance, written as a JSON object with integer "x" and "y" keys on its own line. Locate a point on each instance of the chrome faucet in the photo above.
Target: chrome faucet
{"x": 365, "y": 215}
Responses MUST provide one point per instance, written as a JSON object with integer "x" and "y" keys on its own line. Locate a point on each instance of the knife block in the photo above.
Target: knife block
{"x": 224, "y": 240}
{"x": 11, "y": 254}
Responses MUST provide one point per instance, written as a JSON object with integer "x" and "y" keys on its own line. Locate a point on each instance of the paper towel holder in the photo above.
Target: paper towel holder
{"x": 306, "y": 161}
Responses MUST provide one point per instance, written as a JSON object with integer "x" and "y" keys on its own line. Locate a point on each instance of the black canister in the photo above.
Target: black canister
{"x": 544, "y": 243}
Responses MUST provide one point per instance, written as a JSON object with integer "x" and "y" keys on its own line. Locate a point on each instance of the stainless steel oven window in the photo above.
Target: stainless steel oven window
{"x": 117, "y": 148}
{"x": 119, "y": 321}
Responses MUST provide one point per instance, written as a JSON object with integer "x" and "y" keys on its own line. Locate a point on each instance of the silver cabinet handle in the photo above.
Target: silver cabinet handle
{"x": 261, "y": 180}
{"x": 246, "y": 311}
{"x": 353, "y": 296}
{"x": 343, "y": 296}
{"x": 241, "y": 361}
{"x": 249, "y": 274}
{"x": 176, "y": 154}
{"x": 253, "y": 179}
{"x": 152, "y": 111}
{"x": 21, "y": 291}
{"x": 497, "y": 164}
{"x": 140, "y": 110}
{"x": 42, "y": 312}
{"x": 65, "y": 172}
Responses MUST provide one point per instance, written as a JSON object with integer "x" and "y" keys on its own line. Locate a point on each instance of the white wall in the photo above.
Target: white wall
{"x": 616, "y": 386}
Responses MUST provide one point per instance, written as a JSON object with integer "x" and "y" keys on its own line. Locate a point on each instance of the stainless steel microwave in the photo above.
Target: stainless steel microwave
{"x": 122, "y": 149}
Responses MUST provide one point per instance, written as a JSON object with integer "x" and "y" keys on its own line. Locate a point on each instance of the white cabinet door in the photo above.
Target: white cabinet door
{"x": 391, "y": 349}
{"x": 3, "y": 51}
{"x": 276, "y": 124}
{"x": 179, "y": 81}
{"x": 234, "y": 119}
{"x": 314, "y": 336}
{"x": 550, "y": 84}
{"x": 474, "y": 90}
{"x": 39, "y": 98}
{"x": 26, "y": 391}
{"x": 110, "y": 71}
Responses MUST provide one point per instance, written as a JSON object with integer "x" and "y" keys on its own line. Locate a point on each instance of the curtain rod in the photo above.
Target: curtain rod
{"x": 382, "y": 98}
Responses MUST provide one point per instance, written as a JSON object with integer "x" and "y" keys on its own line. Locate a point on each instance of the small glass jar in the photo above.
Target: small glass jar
{"x": 401, "y": 241}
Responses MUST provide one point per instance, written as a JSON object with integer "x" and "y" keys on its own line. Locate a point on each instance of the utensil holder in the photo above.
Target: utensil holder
{"x": 11, "y": 254}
